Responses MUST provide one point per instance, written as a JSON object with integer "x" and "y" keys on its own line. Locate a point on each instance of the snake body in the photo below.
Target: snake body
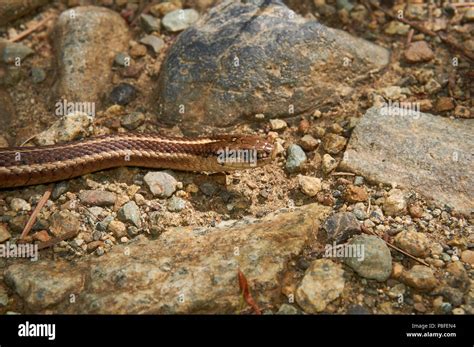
{"x": 21, "y": 166}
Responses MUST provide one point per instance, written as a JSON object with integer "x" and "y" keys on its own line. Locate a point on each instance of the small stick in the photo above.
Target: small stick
{"x": 369, "y": 205}
{"x": 28, "y": 140}
{"x": 36, "y": 211}
{"x": 30, "y": 30}
{"x": 342, "y": 174}
{"x": 410, "y": 37}
{"x": 464, "y": 4}
{"x": 365, "y": 230}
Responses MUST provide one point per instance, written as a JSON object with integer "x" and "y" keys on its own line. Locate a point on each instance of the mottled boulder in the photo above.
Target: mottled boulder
{"x": 240, "y": 60}
{"x": 87, "y": 39}
{"x": 184, "y": 271}
{"x": 13, "y": 9}
{"x": 47, "y": 286}
{"x": 429, "y": 154}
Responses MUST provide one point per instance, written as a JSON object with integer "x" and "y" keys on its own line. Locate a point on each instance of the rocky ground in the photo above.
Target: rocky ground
{"x": 129, "y": 240}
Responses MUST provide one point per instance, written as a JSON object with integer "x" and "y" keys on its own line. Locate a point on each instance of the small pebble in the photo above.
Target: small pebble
{"x": 179, "y": 20}
{"x": 130, "y": 213}
{"x": 155, "y": 42}
{"x": 122, "y": 59}
{"x": 150, "y": 23}
{"x": 309, "y": 143}
{"x": 97, "y": 198}
{"x": 295, "y": 159}
{"x": 117, "y": 228}
{"x": 334, "y": 143}
{"x": 309, "y": 185}
{"x": 328, "y": 164}
{"x": 38, "y": 75}
{"x": 132, "y": 120}
{"x": 161, "y": 183}
{"x": 358, "y": 180}
{"x": 123, "y": 94}
{"x": 18, "y": 204}
{"x": 176, "y": 204}
{"x": 278, "y": 124}
{"x": 11, "y": 51}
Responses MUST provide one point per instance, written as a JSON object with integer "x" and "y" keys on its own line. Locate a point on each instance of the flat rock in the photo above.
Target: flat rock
{"x": 429, "y": 154}
{"x": 68, "y": 128}
{"x": 239, "y": 60}
{"x": 87, "y": 39}
{"x": 185, "y": 270}
{"x": 64, "y": 222}
{"x": 97, "y": 197}
{"x": 339, "y": 228}
{"x": 130, "y": 213}
{"x": 322, "y": 283}
{"x": 374, "y": 260}
{"x": 415, "y": 243}
{"x": 418, "y": 51}
{"x": 180, "y": 19}
{"x": 161, "y": 183}
{"x": 46, "y": 286}
{"x": 295, "y": 158}
{"x": 154, "y": 42}
{"x": 420, "y": 277}
{"x": 11, "y": 51}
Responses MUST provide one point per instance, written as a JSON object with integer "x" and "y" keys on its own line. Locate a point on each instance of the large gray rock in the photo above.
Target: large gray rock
{"x": 87, "y": 39}
{"x": 184, "y": 271}
{"x": 240, "y": 60}
{"x": 426, "y": 153}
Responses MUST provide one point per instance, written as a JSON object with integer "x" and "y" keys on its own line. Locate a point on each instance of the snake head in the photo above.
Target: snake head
{"x": 242, "y": 152}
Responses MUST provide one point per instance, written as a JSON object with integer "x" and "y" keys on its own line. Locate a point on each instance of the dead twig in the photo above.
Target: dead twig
{"x": 32, "y": 29}
{"x": 369, "y": 205}
{"x": 342, "y": 174}
{"x": 28, "y": 140}
{"x": 36, "y": 211}
{"x": 463, "y": 4}
{"x": 367, "y": 231}
{"x": 410, "y": 37}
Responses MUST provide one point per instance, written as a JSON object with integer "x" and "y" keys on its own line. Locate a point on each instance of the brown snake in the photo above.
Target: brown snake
{"x": 21, "y": 166}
